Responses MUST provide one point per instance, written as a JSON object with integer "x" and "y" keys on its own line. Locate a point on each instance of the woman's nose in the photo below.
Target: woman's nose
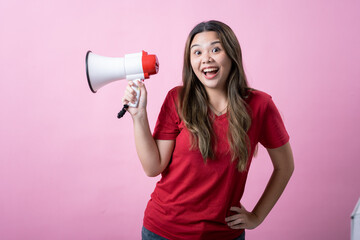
{"x": 206, "y": 58}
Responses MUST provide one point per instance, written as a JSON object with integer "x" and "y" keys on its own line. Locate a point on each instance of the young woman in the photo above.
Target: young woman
{"x": 204, "y": 141}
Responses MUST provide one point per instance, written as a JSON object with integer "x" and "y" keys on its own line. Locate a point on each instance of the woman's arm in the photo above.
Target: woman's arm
{"x": 283, "y": 162}
{"x": 154, "y": 155}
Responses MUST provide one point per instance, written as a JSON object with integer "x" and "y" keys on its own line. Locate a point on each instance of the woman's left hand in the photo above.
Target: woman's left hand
{"x": 242, "y": 220}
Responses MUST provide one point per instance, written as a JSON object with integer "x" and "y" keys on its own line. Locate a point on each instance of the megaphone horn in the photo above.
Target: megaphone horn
{"x": 101, "y": 70}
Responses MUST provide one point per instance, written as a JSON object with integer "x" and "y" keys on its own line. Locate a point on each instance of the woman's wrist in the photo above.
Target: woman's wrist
{"x": 139, "y": 115}
{"x": 259, "y": 219}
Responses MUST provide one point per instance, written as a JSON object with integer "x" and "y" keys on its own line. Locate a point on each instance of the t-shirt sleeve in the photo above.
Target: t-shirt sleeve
{"x": 273, "y": 133}
{"x": 167, "y": 125}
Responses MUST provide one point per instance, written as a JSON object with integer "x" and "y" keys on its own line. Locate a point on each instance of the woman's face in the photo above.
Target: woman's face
{"x": 209, "y": 60}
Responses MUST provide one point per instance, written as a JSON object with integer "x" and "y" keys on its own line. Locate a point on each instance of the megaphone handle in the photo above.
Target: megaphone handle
{"x": 137, "y": 90}
{"x": 123, "y": 111}
{"x": 126, "y": 106}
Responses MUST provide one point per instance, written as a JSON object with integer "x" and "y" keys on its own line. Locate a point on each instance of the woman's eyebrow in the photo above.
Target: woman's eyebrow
{"x": 197, "y": 45}
{"x": 215, "y": 42}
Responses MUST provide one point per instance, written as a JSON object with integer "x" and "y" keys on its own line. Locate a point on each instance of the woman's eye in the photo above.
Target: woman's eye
{"x": 197, "y": 53}
{"x": 216, "y": 50}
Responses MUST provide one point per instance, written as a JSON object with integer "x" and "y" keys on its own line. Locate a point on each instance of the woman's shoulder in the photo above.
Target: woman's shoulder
{"x": 174, "y": 93}
{"x": 257, "y": 97}
{"x": 175, "y": 90}
{"x": 258, "y": 102}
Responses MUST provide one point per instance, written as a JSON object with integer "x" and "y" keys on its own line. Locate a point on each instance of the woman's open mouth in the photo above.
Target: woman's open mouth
{"x": 210, "y": 73}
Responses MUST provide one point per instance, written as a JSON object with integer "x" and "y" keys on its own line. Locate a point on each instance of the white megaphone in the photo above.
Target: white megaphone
{"x": 102, "y": 70}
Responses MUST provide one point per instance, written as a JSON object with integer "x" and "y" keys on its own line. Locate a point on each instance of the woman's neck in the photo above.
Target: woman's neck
{"x": 218, "y": 101}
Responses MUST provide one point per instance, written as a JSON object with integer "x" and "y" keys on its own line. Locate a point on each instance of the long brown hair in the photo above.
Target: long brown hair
{"x": 193, "y": 99}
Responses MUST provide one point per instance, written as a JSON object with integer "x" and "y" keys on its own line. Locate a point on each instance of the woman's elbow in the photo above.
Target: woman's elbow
{"x": 151, "y": 172}
{"x": 290, "y": 168}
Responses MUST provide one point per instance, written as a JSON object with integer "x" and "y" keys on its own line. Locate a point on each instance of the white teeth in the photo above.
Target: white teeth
{"x": 210, "y": 69}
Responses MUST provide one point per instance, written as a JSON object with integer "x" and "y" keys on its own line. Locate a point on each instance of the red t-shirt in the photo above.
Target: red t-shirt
{"x": 193, "y": 198}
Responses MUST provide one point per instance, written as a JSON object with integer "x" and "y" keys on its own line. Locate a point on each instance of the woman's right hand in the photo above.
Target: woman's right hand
{"x": 130, "y": 97}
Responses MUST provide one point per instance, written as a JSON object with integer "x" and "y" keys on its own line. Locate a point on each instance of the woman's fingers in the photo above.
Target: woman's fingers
{"x": 130, "y": 94}
{"x": 236, "y": 209}
{"x": 239, "y": 226}
{"x": 242, "y": 220}
{"x": 130, "y": 97}
{"x": 236, "y": 221}
{"x": 232, "y": 218}
{"x": 124, "y": 101}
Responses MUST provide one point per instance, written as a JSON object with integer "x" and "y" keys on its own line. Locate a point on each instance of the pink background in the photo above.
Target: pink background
{"x": 68, "y": 167}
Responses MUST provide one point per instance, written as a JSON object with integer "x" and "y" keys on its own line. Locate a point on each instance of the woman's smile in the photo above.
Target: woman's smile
{"x": 210, "y": 72}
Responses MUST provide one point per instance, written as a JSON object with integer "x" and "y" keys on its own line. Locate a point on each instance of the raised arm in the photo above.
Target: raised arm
{"x": 154, "y": 155}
